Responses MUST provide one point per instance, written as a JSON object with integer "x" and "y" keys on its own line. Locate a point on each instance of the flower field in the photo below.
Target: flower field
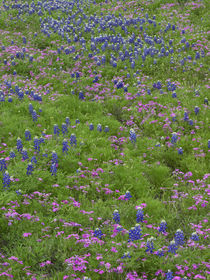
{"x": 104, "y": 139}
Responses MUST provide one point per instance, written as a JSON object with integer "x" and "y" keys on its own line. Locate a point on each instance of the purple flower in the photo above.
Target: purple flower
{"x": 163, "y": 226}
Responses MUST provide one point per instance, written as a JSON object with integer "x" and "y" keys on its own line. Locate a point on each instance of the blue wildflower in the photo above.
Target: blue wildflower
{"x": 135, "y": 233}
{"x": 150, "y": 245}
{"x": 81, "y": 95}
{"x": 19, "y": 144}
{"x": 140, "y": 215}
{"x": 169, "y": 275}
{"x": 2, "y": 164}
{"x": 34, "y": 116}
{"x": 196, "y": 110}
{"x": 190, "y": 122}
{"x": 91, "y": 127}
{"x": 73, "y": 140}
{"x": 77, "y": 121}
{"x": 12, "y": 154}
{"x": 209, "y": 144}
{"x": 195, "y": 236}
{"x": 179, "y": 237}
{"x": 126, "y": 255}
{"x": 160, "y": 253}
{"x": 98, "y": 233}
{"x": 54, "y": 157}
{"x": 65, "y": 146}
{"x": 172, "y": 247}
{"x": 36, "y": 144}
{"x": 186, "y": 117}
{"x": 24, "y": 154}
{"x": 174, "y": 138}
{"x": 53, "y": 169}
{"x": 132, "y": 136}
{"x": 30, "y": 108}
{"x": 180, "y": 151}
{"x": 30, "y": 168}
{"x": 67, "y": 121}
{"x": 99, "y": 127}
{"x": 128, "y": 195}
{"x": 33, "y": 159}
{"x": 6, "y": 180}
{"x": 206, "y": 102}
{"x": 27, "y": 135}
{"x": 64, "y": 128}
{"x": 56, "y": 130}
{"x": 163, "y": 226}
{"x": 116, "y": 216}
{"x": 106, "y": 129}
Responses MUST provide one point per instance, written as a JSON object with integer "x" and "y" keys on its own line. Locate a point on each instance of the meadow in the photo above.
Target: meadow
{"x": 104, "y": 139}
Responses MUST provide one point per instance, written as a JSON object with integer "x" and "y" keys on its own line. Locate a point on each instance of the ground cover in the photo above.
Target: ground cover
{"x": 104, "y": 139}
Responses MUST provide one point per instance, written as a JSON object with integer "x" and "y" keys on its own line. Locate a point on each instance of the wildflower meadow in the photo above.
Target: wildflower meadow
{"x": 104, "y": 139}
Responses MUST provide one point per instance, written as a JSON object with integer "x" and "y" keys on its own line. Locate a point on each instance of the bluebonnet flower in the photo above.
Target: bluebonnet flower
{"x": 119, "y": 228}
{"x": 150, "y": 245}
{"x": 163, "y": 226}
{"x": 209, "y": 144}
{"x": 67, "y": 121}
{"x": 99, "y": 127}
{"x": 6, "y": 180}
{"x": 116, "y": 216}
{"x": 135, "y": 233}
{"x": 64, "y": 128}
{"x": 56, "y": 130}
{"x": 196, "y": 110}
{"x": 19, "y": 144}
{"x": 18, "y": 192}
{"x": 31, "y": 58}
{"x": 54, "y": 157}
{"x": 174, "y": 138}
{"x": 36, "y": 144}
{"x": 160, "y": 253}
{"x": 81, "y": 95}
{"x": 139, "y": 215}
{"x": 41, "y": 140}
{"x": 180, "y": 151}
{"x": 24, "y": 154}
{"x": 179, "y": 237}
{"x": 169, "y": 275}
{"x": 86, "y": 278}
{"x": 186, "y": 117}
{"x": 128, "y": 195}
{"x": 10, "y": 99}
{"x": 30, "y": 168}
{"x": 33, "y": 159}
{"x": 65, "y": 146}
{"x": 174, "y": 95}
{"x": 172, "y": 247}
{"x": 34, "y": 116}
{"x": 126, "y": 255}
{"x": 206, "y": 101}
{"x": 12, "y": 154}
{"x": 98, "y": 233}
{"x": 106, "y": 129}
{"x": 73, "y": 140}
{"x": 27, "y": 135}
{"x": 2, "y": 164}
{"x": 77, "y": 121}
{"x": 53, "y": 169}
{"x": 24, "y": 40}
{"x": 30, "y": 108}
{"x": 132, "y": 136}
{"x": 91, "y": 127}
{"x": 190, "y": 122}
{"x": 195, "y": 236}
